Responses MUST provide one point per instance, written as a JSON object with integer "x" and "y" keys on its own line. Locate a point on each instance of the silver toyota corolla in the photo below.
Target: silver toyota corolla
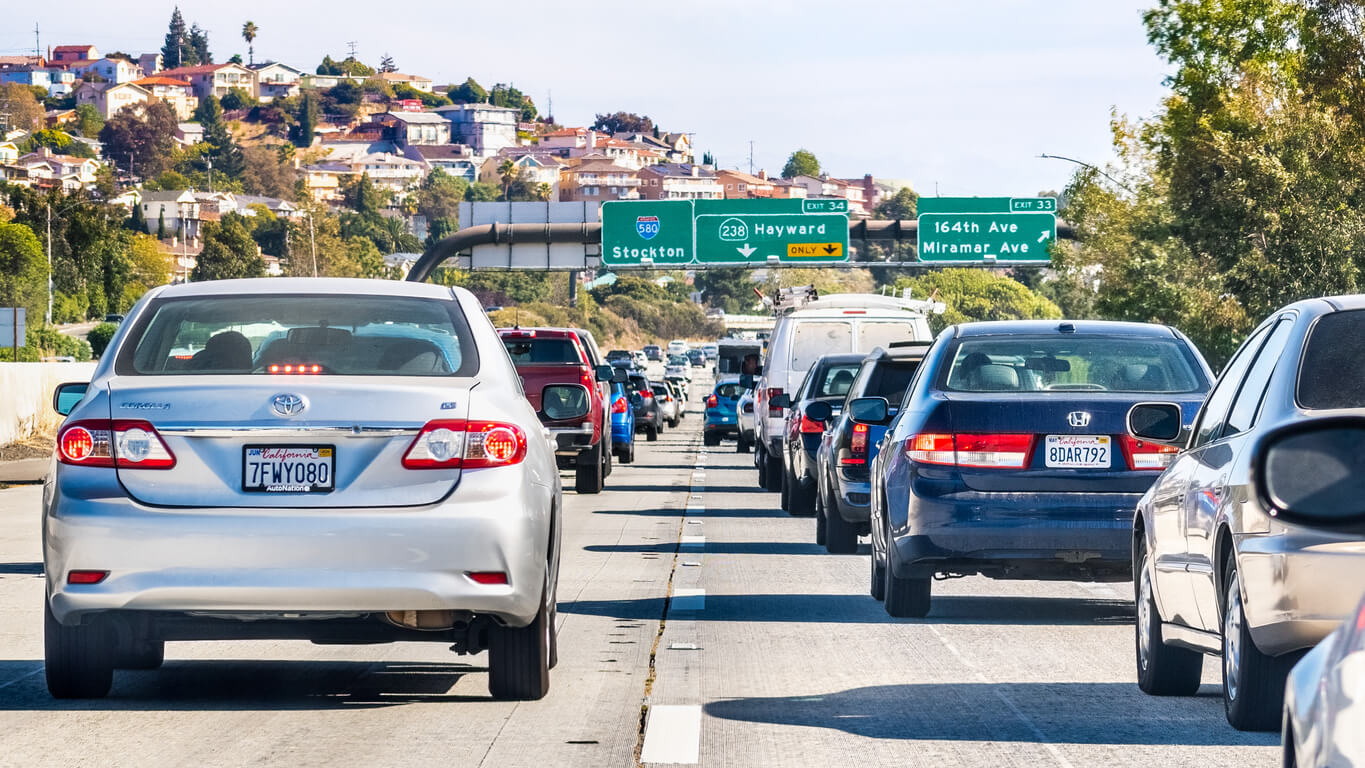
{"x": 334, "y": 460}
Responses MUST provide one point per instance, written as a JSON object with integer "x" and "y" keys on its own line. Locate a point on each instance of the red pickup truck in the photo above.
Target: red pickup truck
{"x": 570, "y": 394}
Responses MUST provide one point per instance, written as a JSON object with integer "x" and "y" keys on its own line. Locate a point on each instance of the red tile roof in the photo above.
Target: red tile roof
{"x": 162, "y": 80}
{"x": 201, "y": 69}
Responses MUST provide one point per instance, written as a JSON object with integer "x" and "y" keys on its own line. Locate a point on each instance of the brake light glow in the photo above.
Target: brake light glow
{"x": 1142, "y": 455}
{"x": 619, "y": 405}
{"x": 86, "y": 577}
{"x": 124, "y": 443}
{"x": 295, "y": 368}
{"x": 811, "y": 427}
{"x": 712, "y": 401}
{"x": 456, "y": 443}
{"x": 857, "y": 446}
{"x": 980, "y": 451}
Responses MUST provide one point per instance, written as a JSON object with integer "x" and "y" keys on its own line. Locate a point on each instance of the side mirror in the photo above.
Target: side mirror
{"x": 1158, "y": 423}
{"x": 746, "y": 381}
{"x": 783, "y": 400}
{"x": 564, "y": 401}
{"x": 869, "y": 410}
{"x": 605, "y": 373}
{"x": 68, "y": 396}
{"x": 1313, "y": 472}
{"x": 819, "y": 411}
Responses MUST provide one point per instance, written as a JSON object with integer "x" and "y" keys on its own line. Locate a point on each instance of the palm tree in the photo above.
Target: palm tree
{"x": 249, "y": 31}
{"x": 509, "y": 172}
{"x": 543, "y": 191}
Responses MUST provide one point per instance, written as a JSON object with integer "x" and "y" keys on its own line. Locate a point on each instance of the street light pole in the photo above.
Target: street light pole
{"x": 1083, "y": 164}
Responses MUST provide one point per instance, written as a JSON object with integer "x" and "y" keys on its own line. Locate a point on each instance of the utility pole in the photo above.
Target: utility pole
{"x": 37, "y": 52}
{"x": 312, "y": 244}
{"x": 48, "y": 317}
{"x": 751, "y": 157}
{"x": 351, "y": 47}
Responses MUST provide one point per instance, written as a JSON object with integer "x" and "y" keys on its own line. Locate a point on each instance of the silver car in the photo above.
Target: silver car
{"x": 342, "y": 461}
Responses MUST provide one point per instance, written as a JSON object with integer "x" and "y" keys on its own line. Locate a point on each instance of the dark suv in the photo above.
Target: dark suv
{"x": 848, "y": 446}
{"x": 828, "y": 380}
{"x": 649, "y": 417}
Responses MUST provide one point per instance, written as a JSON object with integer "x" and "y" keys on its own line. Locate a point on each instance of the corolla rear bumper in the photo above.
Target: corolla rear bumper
{"x": 320, "y": 560}
{"x": 1018, "y": 535}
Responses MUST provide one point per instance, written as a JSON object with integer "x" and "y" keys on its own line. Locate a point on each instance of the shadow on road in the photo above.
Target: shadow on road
{"x": 1065, "y": 713}
{"x": 861, "y": 609}
{"x": 21, "y": 569}
{"x": 718, "y": 547}
{"x": 710, "y": 512}
{"x": 238, "y": 685}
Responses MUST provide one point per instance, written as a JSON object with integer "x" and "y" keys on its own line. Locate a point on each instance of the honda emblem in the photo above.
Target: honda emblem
{"x": 1078, "y": 419}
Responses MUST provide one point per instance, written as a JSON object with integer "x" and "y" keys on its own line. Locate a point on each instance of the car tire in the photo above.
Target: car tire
{"x": 741, "y": 445}
{"x": 1162, "y": 670}
{"x": 799, "y": 504}
{"x": 588, "y": 474}
{"x": 651, "y": 432}
{"x": 841, "y": 536}
{"x": 77, "y": 661}
{"x": 774, "y": 475}
{"x": 762, "y": 464}
{"x": 819, "y": 522}
{"x": 905, "y": 597}
{"x": 606, "y": 462}
{"x": 710, "y": 439}
{"x": 1253, "y": 683}
{"x": 877, "y": 568}
{"x": 673, "y": 423}
{"x": 628, "y": 453}
{"x": 141, "y": 654}
{"x": 784, "y": 488}
{"x": 519, "y": 657}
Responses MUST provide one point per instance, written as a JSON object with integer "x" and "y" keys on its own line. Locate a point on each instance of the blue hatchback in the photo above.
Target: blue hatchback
{"x": 1010, "y": 456}
{"x": 721, "y": 418}
{"x": 622, "y": 424}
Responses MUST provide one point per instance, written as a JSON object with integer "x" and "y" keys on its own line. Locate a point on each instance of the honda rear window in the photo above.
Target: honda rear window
{"x": 344, "y": 335}
{"x": 1332, "y": 374}
{"x": 1073, "y": 364}
{"x": 541, "y": 351}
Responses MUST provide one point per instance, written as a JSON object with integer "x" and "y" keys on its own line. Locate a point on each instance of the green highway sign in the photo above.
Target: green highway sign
{"x": 981, "y": 229}
{"x": 986, "y": 236}
{"x": 824, "y": 205}
{"x": 656, "y": 232}
{"x": 757, "y": 238}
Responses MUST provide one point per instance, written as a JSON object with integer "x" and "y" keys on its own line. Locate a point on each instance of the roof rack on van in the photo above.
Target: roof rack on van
{"x": 856, "y": 301}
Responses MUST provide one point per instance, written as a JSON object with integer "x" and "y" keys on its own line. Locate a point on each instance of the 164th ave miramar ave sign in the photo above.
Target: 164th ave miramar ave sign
{"x": 757, "y": 231}
{"x": 985, "y": 229}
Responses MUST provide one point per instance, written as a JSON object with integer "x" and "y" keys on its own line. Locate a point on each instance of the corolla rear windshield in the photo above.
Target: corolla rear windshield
{"x": 1076, "y": 364}
{"x": 342, "y": 335}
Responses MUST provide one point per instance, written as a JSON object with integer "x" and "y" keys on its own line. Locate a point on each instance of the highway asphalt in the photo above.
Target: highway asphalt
{"x": 697, "y": 622}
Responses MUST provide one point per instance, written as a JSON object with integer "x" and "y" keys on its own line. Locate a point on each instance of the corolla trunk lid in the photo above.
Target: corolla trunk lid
{"x": 295, "y": 441}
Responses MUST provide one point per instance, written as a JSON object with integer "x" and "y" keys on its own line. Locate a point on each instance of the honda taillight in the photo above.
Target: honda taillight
{"x": 712, "y": 401}
{"x": 978, "y": 451}
{"x": 619, "y": 405}
{"x": 810, "y": 426}
{"x": 456, "y": 443}
{"x": 124, "y": 443}
{"x": 1144, "y": 455}
{"x": 857, "y": 446}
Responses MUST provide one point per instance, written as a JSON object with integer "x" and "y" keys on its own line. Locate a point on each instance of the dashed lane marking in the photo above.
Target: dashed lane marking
{"x": 672, "y": 734}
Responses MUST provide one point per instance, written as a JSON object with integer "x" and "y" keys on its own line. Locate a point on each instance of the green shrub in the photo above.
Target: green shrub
{"x": 99, "y": 337}
{"x": 45, "y": 341}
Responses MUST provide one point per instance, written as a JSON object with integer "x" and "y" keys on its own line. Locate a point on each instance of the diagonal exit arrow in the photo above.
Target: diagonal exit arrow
{"x": 1046, "y": 234}
{"x": 746, "y": 251}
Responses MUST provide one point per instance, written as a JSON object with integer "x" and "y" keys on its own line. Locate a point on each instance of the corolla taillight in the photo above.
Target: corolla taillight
{"x": 1144, "y": 455}
{"x": 460, "y": 444}
{"x": 295, "y": 368}
{"x": 122, "y": 443}
{"x": 979, "y": 451}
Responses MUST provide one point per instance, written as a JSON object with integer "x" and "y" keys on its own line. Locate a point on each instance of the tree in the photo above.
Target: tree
{"x": 708, "y": 159}
{"x": 509, "y": 96}
{"x": 468, "y": 92}
{"x": 439, "y": 196}
{"x": 23, "y": 270}
{"x": 223, "y": 155}
{"x": 161, "y": 224}
{"x": 141, "y": 138}
{"x": 976, "y": 294}
{"x": 479, "y": 192}
{"x": 19, "y": 108}
{"x": 801, "y": 163}
{"x": 302, "y": 132}
{"x": 362, "y": 196}
{"x": 346, "y": 92}
{"x": 265, "y": 173}
{"x": 88, "y": 121}
{"x": 623, "y": 122}
{"x": 137, "y": 222}
{"x": 249, "y": 31}
{"x": 508, "y": 172}
{"x": 347, "y": 66}
{"x": 229, "y": 252}
{"x": 901, "y": 205}
{"x": 727, "y": 288}
{"x": 177, "y": 51}
{"x": 238, "y": 98}
{"x": 199, "y": 41}
{"x": 56, "y": 140}
{"x": 386, "y": 64}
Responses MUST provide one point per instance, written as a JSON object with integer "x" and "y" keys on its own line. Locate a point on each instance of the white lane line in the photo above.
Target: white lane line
{"x": 693, "y": 542}
{"x": 689, "y": 599}
{"x": 672, "y": 734}
{"x": 1023, "y": 718}
{"x": 21, "y": 678}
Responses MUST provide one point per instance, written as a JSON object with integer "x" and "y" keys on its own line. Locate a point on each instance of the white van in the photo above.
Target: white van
{"x": 806, "y": 331}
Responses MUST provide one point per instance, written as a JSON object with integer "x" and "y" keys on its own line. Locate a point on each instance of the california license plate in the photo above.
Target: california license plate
{"x": 288, "y": 468}
{"x": 1077, "y": 451}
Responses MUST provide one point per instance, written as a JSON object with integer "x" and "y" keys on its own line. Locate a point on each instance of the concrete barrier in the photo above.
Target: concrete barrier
{"x": 26, "y": 396}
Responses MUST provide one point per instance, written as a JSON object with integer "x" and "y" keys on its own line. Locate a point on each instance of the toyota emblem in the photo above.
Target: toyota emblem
{"x": 1078, "y": 419}
{"x": 287, "y": 404}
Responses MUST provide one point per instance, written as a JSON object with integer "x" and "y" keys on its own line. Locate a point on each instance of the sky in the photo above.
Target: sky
{"x": 957, "y": 97}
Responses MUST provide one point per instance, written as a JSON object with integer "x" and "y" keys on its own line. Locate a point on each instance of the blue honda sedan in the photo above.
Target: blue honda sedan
{"x": 622, "y": 424}
{"x": 1010, "y": 457}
